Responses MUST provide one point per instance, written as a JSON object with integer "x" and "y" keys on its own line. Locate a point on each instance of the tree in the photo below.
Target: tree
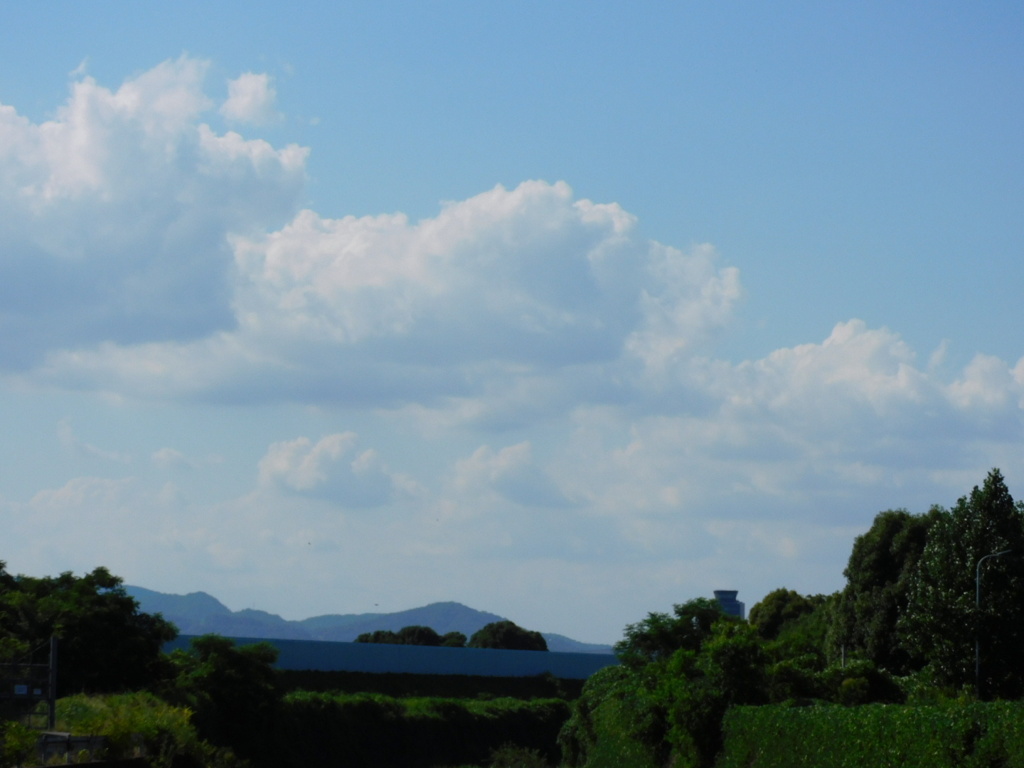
{"x": 417, "y": 635}
{"x": 508, "y": 636}
{"x": 878, "y": 581}
{"x": 379, "y": 636}
{"x": 233, "y": 690}
{"x": 941, "y": 622}
{"x": 777, "y": 609}
{"x": 659, "y": 635}
{"x": 453, "y": 640}
{"x": 105, "y": 643}
{"x": 700, "y": 686}
{"x": 411, "y": 635}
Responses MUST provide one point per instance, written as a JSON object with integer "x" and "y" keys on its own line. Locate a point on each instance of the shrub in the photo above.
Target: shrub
{"x": 140, "y": 724}
{"x": 17, "y": 742}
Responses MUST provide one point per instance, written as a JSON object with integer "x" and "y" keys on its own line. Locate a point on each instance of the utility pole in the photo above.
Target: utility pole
{"x": 977, "y": 611}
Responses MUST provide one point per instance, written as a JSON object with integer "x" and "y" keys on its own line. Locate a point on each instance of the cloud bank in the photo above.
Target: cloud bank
{"x": 536, "y": 382}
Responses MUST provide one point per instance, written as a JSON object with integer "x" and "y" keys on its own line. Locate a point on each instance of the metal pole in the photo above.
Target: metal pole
{"x": 977, "y": 609}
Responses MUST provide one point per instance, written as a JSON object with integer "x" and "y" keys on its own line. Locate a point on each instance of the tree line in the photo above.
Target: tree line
{"x": 502, "y": 635}
{"x": 932, "y": 610}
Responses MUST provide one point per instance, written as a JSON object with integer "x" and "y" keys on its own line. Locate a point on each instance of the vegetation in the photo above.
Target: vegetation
{"x": 106, "y": 643}
{"x": 941, "y": 619}
{"x": 809, "y": 680}
{"x": 508, "y": 636}
{"x": 376, "y": 731}
{"x": 905, "y": 628}
{"x": 414, "y": 635}
{"x": 141, "y": 725}
{"x": 405, "y": 685}
{"x": 952, "y": 735}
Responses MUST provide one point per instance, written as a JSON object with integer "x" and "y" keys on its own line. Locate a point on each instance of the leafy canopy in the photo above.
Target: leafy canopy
{"x": 941, "y": 622}
{"x": 105, "y": 643}
{"x": 508, "y": 636}
{"x": 661, "y": 634}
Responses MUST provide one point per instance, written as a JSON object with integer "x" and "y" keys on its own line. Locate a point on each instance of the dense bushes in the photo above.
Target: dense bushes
{"x": 544, "y": 686}
{"x": 140, "y": 724}
{"x": 313, "y": 730}
{"x": 379, "y": 731}
{"x": 955, "y": 734}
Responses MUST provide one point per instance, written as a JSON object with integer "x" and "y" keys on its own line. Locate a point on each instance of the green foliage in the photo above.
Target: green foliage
{"x": 640, "y": 715}
{"x": 878, "y": 582}
{"x": 796, "y": 627}
{"x": 514, "y": 756}
{"x": 778, "y": 608}
{"x": 859, "y": 682}
{"x": 699, "y": 688}
{"x": 453, "y": 640}
{"x": 17, "y": 743}
{"x": 953, "y": 735}
{"x": 233, "y": 691}
{"x": 380, "y": 732}
{"x": 508, "y": 636}
{"x": 941, "y": 622}
{"x": 659, "y": 635}
{"x": 617, "y": 721}
{"x": 401, "y": 684}
{"x": 140, "y": 724}
{"x": 106, "y": 644}
{"x": 379, "y": 636}
{"x": 412, "y": 635}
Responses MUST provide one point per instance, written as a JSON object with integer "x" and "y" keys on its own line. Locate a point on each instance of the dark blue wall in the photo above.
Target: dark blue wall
{"x": 424, "y": 660}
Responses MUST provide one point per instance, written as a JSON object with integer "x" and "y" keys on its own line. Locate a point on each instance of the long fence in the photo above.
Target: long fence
{"x": 423, "y": 660}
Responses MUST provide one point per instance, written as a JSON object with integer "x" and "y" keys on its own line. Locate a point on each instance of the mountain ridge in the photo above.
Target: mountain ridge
{"x": 199, "y": 613}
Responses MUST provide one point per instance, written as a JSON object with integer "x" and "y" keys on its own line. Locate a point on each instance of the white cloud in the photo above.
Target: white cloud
{"x": 500, "y": 296}
{"x": 117, "y": 212}
{"x": 250, "y": 99}
{"x": 170, "y": 458}
{"x": 512, "y": 474}
{"x": 541, "y": 379}
{"x": 68, "y": 439}
{"x": 333, "y": 469}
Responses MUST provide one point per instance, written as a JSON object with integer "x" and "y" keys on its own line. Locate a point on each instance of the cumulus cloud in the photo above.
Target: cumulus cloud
{"x": 512, "y": 474}
{"x": 532, "y": 349}
{"x": 250, "y": 99}
{"x": 332, "y": 468}
{"x": 501, "y": 293}
{"x": 117, "y": 212}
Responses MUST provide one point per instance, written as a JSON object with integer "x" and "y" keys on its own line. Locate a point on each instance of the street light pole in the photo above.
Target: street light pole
{"x": 977, "y": 608}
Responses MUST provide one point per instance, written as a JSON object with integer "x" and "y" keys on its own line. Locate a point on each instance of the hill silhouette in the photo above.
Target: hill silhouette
{"x": 199, "y": 613}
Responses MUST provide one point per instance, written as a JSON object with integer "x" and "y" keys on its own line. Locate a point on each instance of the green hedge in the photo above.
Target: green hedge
{"x": 379, "y": 731}
{"x": 545, "y": 686}
{"x": 141, "y": 725}
{"x": 952, "y": 735}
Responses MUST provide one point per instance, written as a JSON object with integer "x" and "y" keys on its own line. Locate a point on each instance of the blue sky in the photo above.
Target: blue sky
{"x": 565, "y": 311}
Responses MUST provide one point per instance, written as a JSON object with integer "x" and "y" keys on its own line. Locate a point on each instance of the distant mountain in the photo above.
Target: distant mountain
{"x": 198, "y": 613}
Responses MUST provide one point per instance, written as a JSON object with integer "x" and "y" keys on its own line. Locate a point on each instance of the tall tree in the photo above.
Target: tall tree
{"x": 878, "y": 580}
{"x": 941, "y": 621}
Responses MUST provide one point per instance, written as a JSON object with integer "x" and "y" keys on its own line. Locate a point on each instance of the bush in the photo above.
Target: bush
{"x": 140, "y": 725}
{"x": 952, "y": 735}
{"x": 376, "y": 731}
{"x": 17, "y": 742}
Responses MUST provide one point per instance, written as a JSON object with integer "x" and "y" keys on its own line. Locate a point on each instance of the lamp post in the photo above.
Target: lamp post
{"x": 977, "y": 608}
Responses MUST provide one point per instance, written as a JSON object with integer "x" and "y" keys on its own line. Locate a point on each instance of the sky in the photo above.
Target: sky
{"x": 565, "y": 311}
